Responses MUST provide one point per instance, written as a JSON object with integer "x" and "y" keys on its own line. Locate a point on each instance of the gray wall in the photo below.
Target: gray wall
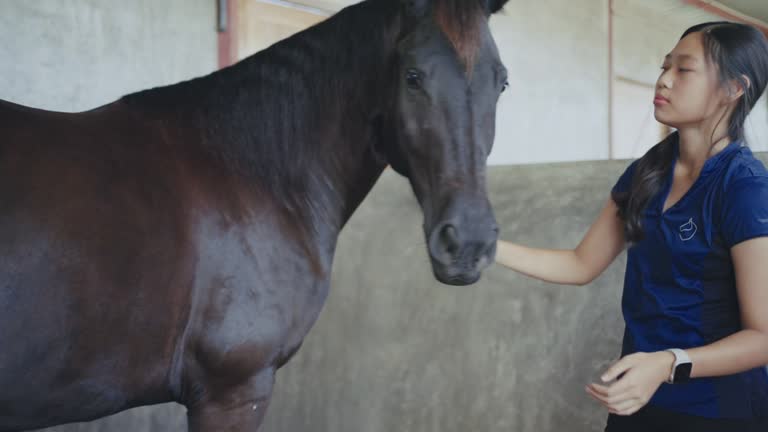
{"x": 73, "y": 55}
{"x": 395, "y": 350}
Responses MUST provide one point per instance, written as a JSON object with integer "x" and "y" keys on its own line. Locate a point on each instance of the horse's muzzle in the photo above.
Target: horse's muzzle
{"x": 460, "y": 252}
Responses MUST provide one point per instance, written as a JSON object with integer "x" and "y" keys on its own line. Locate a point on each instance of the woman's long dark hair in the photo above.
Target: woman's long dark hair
{"x": 740, "y": 53}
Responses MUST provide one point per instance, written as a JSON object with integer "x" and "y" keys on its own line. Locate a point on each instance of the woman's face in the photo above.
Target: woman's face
{"x": 688, "y": 91}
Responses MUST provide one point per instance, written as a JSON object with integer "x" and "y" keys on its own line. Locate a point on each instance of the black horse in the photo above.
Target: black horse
{"x": 176, "y": 245}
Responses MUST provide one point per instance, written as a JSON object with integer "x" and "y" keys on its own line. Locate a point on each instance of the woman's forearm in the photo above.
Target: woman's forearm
{"x": 742, "y": 351}
{"x": 554, "y": 266}
{"x": 599, "y": 247}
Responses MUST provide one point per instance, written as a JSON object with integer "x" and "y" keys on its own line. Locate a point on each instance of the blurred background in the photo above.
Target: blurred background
{"x": 393, "y": 349}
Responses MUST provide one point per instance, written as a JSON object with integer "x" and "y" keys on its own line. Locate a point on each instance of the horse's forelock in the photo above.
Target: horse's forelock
{"x": 461, "y": 21}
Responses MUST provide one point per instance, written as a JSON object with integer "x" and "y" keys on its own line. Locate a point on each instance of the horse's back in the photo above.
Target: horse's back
{"x": 91, "y": 246}
{"x": 15, "y": 118}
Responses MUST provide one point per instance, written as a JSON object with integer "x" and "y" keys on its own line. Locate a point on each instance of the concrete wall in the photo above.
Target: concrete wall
{"x": 73, "y": 55}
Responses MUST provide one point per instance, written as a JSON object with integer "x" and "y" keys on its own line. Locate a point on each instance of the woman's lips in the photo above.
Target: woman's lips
{"x": 660, "y": 100}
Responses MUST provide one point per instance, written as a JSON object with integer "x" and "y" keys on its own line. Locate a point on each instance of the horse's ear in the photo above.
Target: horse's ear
{"x": 415, "y": 8}
{"x": 496, "y": 5}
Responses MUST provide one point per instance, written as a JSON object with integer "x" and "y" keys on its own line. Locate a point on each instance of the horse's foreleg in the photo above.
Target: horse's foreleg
{"x": 233, "y": 408}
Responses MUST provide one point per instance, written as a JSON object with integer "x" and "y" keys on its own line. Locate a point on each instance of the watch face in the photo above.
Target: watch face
{"x": 683, "y": 372}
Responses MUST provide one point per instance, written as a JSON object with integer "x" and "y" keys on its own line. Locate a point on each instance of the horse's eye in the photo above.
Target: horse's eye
{"x": 413, "y": 79}
{"x": 505, "y": 86}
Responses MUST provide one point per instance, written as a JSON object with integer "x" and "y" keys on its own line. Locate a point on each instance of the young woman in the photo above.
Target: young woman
{"x": 694, "y": 211}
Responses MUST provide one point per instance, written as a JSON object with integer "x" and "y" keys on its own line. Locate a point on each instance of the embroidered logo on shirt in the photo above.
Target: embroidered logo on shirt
{"x": 688, "y": 230}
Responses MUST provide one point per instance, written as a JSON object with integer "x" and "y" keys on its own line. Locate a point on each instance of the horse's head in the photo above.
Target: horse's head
{"x": 449, "y": 79}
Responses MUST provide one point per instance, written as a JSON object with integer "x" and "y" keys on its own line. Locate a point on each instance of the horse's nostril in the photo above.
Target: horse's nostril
{"x": 450, "y": 238}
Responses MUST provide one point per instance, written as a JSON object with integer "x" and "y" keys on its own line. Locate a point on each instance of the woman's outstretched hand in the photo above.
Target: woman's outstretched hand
{"x": 637, "y": 377}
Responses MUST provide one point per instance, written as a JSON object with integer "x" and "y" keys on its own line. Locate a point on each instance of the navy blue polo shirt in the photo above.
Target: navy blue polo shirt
{"x": 679, "y": 287}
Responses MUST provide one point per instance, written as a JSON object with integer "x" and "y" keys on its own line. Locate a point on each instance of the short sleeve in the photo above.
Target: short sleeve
{"x": 625, "y": 181}
{"x": 745, "y": 210}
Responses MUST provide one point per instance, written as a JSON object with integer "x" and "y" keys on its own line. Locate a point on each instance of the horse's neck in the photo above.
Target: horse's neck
{"x": 333, "y": 165}
{"x": 298, "y": 119}
{"x": 339, "y": 184}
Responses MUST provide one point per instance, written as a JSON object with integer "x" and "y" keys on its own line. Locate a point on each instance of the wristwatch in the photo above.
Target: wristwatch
{"x": 681, "y": 369}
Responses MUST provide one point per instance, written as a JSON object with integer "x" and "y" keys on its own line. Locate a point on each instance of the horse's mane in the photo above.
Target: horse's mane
{"x": 267, "y": 116}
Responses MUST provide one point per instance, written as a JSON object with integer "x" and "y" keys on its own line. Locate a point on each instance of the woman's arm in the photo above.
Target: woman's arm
{"x": 742, "y": 351}
{"x": 599, "y": 247}
{"x": 748, "y": 348}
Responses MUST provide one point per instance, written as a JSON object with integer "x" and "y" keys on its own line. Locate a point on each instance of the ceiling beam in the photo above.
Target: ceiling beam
{"x": 730, "y": 14}
{"x": 319, "y": 7}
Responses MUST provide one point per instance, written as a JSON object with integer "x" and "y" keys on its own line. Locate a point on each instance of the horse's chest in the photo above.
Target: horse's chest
{"x": 257, "y": 297}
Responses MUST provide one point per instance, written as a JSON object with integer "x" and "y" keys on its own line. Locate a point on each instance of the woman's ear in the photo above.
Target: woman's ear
{"x": 737, "y": 88}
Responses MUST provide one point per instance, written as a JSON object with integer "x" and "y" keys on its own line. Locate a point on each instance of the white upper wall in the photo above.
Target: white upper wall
{"x": 557, "y": 53}
{"x": 644, "y": 32}
{"x": 556, "y": 108}
{"x": 73, "y": 55}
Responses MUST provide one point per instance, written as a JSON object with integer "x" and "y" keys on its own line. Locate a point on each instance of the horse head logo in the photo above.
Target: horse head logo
{"x": 688, "y": 230}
